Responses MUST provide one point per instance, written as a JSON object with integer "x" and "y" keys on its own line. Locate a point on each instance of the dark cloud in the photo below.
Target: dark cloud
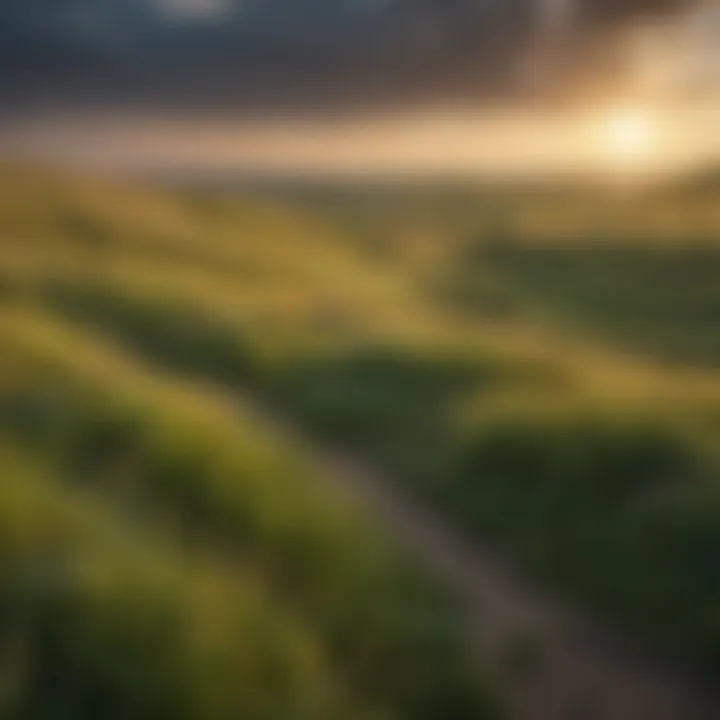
{"x": 264, "y": 53}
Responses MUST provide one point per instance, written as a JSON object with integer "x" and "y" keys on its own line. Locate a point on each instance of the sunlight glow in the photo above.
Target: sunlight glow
{"x": 628, "y": 135}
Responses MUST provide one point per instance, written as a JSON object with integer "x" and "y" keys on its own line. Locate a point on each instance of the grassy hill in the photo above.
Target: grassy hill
{"x": 161, "y": 557}
{"x": 540, "y": 366}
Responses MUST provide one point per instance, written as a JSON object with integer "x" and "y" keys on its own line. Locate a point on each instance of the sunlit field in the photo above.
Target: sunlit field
{"x": 161, "y": 556}
{"x": 541, "y": 368}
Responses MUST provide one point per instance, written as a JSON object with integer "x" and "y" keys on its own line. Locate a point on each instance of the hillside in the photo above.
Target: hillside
{"x": 161, "y": 556}
{"x": 541, "y": 369}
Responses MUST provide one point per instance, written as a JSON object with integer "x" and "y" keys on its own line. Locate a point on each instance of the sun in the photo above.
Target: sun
{"x": 628, "y": 135}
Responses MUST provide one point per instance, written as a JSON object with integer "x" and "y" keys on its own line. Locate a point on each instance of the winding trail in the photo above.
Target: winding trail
{"x": 579, "y": 669}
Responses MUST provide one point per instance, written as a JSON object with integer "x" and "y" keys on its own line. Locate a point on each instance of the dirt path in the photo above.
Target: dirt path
{"x": 566, "y": 667}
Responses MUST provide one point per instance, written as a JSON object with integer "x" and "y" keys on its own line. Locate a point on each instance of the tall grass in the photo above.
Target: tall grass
{"x": 499, "y": 376}
{"x": 184, "y": 461}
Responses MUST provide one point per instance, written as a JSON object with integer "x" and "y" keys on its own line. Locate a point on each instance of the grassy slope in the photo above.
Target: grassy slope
{"x": 438, "y": 344}
{"x": 164, "y": 558}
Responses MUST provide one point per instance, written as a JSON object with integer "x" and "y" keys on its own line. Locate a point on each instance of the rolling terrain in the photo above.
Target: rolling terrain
{"x": 537, "y": 371}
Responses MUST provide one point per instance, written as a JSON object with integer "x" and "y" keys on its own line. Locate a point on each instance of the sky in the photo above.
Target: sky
{"x": 256, "y": 54}
{"x": 350, "y": 83}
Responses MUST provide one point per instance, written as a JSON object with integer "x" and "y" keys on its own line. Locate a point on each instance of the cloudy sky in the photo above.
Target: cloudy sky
{"x": 95, "y": 76}
{"x": 245, "y": 53}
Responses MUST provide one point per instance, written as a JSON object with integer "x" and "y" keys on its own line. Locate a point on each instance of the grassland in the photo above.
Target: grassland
{"x": 542, "y": 367}
{"x": 162, "y": 557}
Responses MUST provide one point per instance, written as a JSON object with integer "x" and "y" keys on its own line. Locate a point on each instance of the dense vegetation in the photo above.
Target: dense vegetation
{"x": 540, "y": 366}
{"x": 160, "y": 555}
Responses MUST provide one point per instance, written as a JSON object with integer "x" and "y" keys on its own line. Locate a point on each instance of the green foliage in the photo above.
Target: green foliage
{"x": 183, "y": 462}
{"x": 476, "y": 343}
{"x": 169, "y": 558}
{"x": 100, "y": 618}
{"x": 664, "y": 300}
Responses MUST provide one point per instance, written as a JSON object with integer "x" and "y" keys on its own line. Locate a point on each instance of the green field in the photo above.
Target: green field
{"x": 162, "y": 557}
{"x": 541, "y": 367}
